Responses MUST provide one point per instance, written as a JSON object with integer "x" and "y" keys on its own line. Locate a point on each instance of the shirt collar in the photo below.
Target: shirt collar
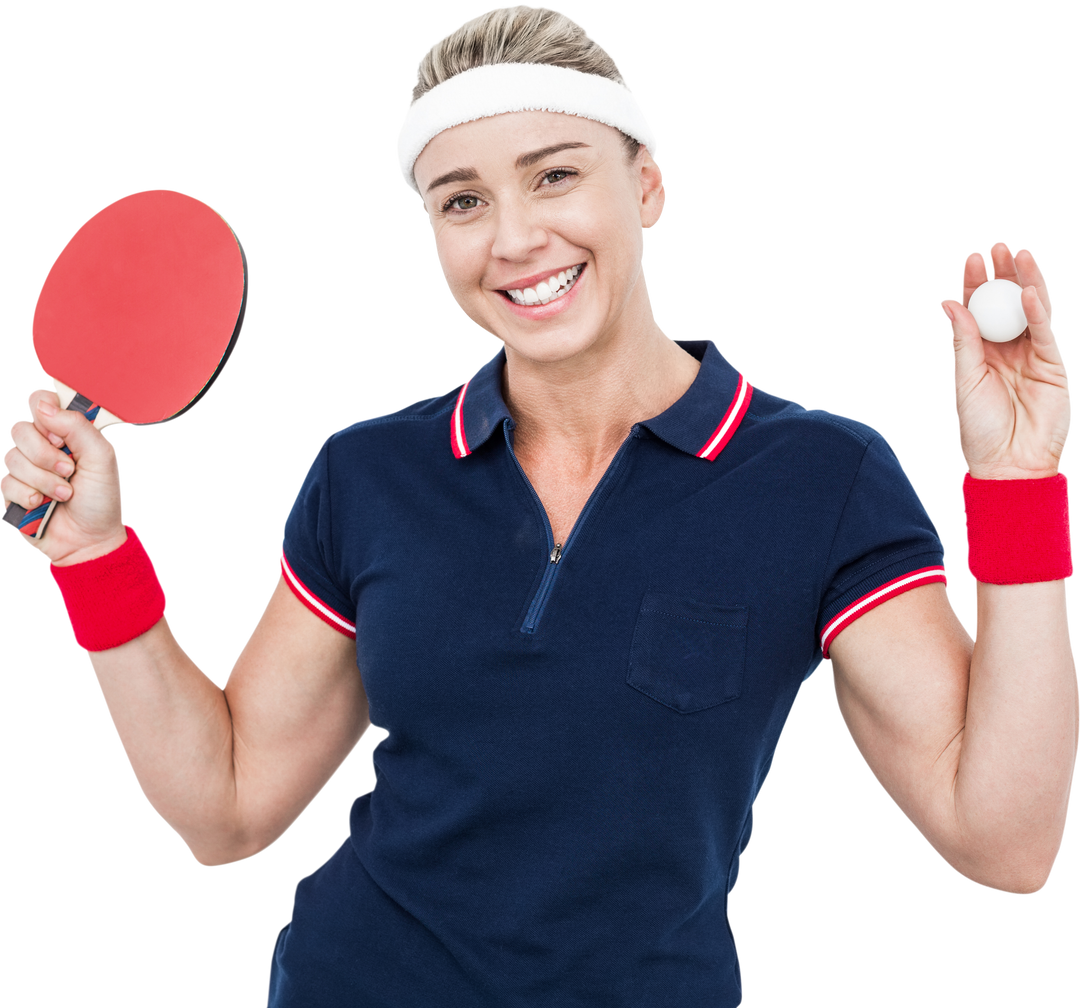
{"x": 700, "y": 423}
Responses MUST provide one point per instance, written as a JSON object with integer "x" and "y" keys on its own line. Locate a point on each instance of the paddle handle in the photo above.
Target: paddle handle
{"x": 33, "y": 523}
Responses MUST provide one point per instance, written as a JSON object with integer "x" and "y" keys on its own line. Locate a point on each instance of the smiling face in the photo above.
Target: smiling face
{"x": 537, "y": 218}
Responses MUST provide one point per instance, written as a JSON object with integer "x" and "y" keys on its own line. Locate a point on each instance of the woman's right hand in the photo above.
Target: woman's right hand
{"x": 88, "y": 524}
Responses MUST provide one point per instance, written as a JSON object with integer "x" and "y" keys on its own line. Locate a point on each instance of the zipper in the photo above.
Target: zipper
{"x": 536, "y": 609}
{"x": 556, "y": 551}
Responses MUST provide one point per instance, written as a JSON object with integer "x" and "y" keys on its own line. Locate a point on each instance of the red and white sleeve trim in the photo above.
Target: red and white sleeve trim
{"x": 897, "y": 586}
{"x": 315, "y": 604}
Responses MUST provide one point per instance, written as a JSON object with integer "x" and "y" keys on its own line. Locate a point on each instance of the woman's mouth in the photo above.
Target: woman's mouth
{"x": 549, "y": 290}
{"x": 548, "y": 299}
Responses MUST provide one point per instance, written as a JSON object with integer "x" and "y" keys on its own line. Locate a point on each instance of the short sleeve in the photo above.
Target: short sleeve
{"x": 885, "y": 544}
{"x": 307, "y": 563}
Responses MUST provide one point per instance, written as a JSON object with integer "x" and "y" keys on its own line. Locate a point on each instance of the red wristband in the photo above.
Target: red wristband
{"x": 113, "y": 598}
{"x": 1018, "y": 530}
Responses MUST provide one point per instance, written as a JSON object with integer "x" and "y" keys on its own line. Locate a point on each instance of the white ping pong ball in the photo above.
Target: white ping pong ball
{"x": 998, "y": 311}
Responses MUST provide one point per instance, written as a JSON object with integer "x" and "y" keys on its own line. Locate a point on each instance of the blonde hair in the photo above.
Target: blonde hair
{"x": 517, "y": 35}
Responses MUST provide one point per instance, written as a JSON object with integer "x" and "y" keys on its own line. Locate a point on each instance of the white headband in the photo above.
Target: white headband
{"x": 517, "y": 87}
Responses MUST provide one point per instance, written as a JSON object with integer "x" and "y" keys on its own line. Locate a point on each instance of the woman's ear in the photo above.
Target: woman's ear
{"x": 653, "y": 192}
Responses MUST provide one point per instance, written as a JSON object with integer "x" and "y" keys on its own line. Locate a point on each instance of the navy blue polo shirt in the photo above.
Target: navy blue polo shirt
{"x": 576, "y": 733}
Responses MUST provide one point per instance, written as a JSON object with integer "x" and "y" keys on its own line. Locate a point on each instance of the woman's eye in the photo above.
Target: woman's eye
{"x": 462, "y": 203}
{"x": 448, "y": 206}
{"x": 557, "y": 176}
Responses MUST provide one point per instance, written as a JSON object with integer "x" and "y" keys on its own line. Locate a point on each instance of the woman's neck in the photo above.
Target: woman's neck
{"x": 585, "y": 406}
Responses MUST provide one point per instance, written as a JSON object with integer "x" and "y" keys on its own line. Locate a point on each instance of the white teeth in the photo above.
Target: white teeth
{"x": 555, "y": 287}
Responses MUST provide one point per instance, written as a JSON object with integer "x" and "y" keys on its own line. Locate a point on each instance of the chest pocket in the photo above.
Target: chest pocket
{"x": 688, "y": 655}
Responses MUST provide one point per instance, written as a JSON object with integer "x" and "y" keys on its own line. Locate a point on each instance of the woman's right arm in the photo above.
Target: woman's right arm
{"x": 228, "y": 769}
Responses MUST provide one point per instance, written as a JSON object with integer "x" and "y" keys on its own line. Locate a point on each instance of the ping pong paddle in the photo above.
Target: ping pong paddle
{"x": 138, "y": 315}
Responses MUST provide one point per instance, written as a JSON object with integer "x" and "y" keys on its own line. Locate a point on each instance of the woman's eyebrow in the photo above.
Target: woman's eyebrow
{"x": 471, "y": 174}
{"x": 538, "y": 155}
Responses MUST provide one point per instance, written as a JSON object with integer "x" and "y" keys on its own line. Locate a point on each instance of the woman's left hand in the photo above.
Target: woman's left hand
{"x": 1012, "y": 398}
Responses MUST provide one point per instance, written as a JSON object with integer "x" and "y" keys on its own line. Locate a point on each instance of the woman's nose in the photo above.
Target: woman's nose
{"x": 517, "y": 234}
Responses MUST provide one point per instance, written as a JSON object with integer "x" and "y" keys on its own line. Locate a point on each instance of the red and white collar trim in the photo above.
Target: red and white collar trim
{"x": 730, "y": 423}
{"x": 458, "y": 442}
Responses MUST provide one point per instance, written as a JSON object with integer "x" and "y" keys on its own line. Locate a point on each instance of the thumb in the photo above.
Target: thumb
{"x": 967, "y": 342}
{"x": 87, "y": 445}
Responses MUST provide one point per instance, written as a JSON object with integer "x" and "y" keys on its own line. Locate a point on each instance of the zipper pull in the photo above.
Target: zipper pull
{"x": 556, "y": 553}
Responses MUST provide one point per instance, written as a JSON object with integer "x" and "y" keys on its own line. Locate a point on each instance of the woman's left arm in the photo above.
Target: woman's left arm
{"x": 976, "y": 742}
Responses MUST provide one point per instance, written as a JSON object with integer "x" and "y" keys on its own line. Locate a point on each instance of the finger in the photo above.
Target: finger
{"x": 28, "y": 448}
{"x": 1004, "y": 266}
{"x": 1039, "y": 324}
{"x": 17, "y": 492}
{"x": 974, "y": 275}
{"x": 1029, "y": 275}
{"x": 29, "y": 442}
{"x": 48, "y": 483}
{"x": 968, "y": 344}
{"x": 27, "y": 439}
{"x": 83, "y": 439}
{"x": 41, "y": 395}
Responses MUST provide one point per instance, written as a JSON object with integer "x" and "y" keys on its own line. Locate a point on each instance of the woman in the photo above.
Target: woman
{"x": 584, "y": 588}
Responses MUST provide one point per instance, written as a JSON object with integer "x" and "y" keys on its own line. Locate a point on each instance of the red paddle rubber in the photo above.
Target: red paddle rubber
{"x": 32, "y": 523}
